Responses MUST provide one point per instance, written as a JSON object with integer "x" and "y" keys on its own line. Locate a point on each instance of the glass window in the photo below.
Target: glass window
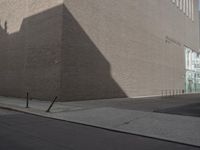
{"x": 177, "y": 3}
{"x": 192, "y": 9}
{"x": 192, "y": 74}
{"x": 187, "y": 7}
{"x": 181, "y": 4}
{"x": 184, "y": 8}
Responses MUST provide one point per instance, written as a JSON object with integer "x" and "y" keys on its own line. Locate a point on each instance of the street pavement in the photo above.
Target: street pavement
{"x": 20, "y": 131}
{"x": 157, "y": 117}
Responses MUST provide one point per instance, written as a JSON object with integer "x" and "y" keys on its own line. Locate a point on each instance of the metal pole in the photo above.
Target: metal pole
{"x": 27, "y": 100}
{"x": 183, "y": 92}
{"x": 48, "y": 110}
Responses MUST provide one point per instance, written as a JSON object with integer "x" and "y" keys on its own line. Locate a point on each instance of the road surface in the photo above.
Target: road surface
{"x": 19, "y": 131}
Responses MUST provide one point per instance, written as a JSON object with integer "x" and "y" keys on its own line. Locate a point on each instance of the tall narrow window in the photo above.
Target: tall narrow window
{"x": 181, "y": 4}
{"x": 184, "y": 8}
{"x": 177, "y": 3}
{"x": 187, "y": 7}
{"x": 192, "y": 7}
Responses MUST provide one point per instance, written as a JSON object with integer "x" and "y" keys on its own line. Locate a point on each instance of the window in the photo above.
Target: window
{"x": 192, "y": 8}
{"x": 187, "y": 6}
{"x": 192, "y": 68}
{"x": 184, "y": 8}
{"x": 181, "y": 4}
{"x": 177, "y": 3}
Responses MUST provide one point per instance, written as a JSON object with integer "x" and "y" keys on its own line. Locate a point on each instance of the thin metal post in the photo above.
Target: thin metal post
{"x": 27, "y": 100}
{"x": 48, "y": 110}
{"x": 183, "y": 92}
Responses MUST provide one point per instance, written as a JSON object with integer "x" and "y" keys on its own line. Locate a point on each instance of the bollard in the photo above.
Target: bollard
{"x": 173, "y": 92}
{"x": 27, "y": 100}
{"x": 166, "y": 92}
{"x": 48, "y": 110}
{"x": 183, "y": 91}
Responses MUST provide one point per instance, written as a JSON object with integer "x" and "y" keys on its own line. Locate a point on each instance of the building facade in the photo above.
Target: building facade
{"x": 92, "y": 49}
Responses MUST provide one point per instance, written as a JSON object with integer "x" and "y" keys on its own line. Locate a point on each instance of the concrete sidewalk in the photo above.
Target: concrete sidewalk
{"x": 115, "y": 115}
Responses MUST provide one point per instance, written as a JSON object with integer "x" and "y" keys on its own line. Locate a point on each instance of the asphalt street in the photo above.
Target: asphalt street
{"x": 19, "y": 131}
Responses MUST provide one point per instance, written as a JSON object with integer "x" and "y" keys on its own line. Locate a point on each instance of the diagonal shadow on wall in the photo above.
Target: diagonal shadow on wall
{"x": 86, "y": 74}
{"x": 53, "y": 55}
